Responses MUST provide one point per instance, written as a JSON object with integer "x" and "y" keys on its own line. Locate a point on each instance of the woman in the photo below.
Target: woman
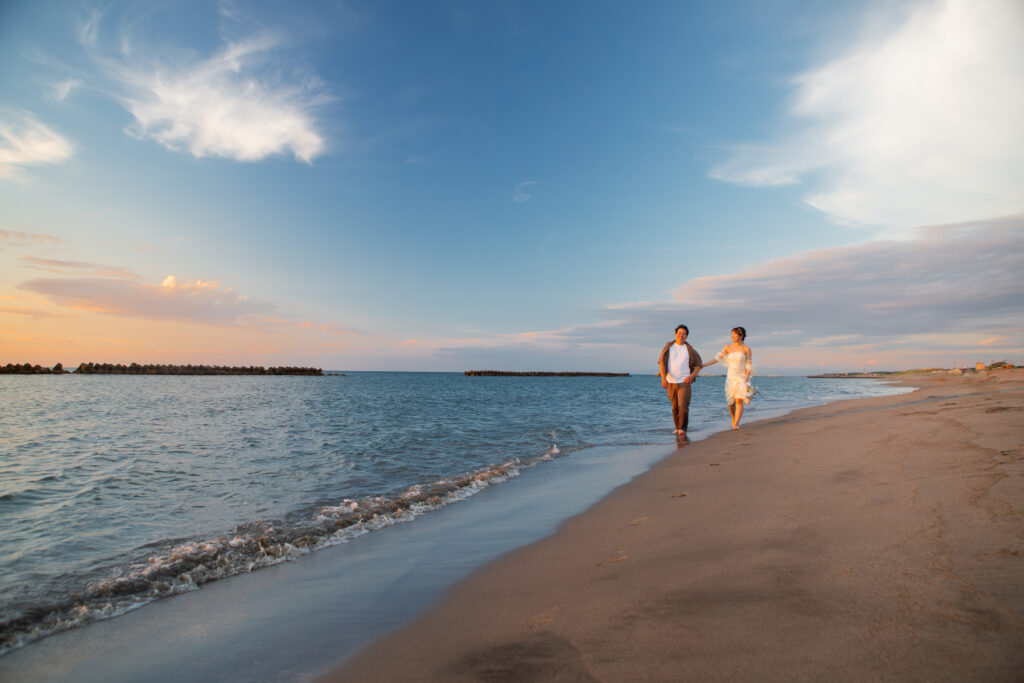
{"x": 736, "y": 357}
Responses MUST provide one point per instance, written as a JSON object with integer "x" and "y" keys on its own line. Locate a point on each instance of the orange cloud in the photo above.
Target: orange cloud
{"x": 197, "y": 301}
{"x": 21, "y": 310}
{"x": 16, "y": 238}
{"x": 77, "y": 267}
{"x": 54, "y": 265}
{"x": 176, "y": 321}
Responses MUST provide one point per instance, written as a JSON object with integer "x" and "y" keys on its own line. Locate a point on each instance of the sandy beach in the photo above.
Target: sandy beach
{"x": 874, "y": 539}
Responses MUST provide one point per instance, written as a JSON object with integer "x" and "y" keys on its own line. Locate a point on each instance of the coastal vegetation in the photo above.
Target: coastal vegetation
{"x": 151, "y": 369}
{"x": 507, "y": 373}
{"x": 999, "y": 365}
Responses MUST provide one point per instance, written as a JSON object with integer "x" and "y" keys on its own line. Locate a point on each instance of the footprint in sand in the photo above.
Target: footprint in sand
{"x": 679, "y": 495}
{"x": 620, "y": 556}
{"x": 541, "y": 618}
{"x": 1011, "y": 456}
{"x": 638, "y": 521}
{"x": 714, "y": 464}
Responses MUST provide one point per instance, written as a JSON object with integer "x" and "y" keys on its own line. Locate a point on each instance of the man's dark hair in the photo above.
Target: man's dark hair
{"x": 683, "y": 327}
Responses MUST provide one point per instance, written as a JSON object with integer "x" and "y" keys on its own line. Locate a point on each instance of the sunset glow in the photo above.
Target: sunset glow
{"x": 414, "y": 186}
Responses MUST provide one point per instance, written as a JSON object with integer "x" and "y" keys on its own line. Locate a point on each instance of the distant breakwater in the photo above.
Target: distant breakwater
{"x": 136, "y": 369}
{"x": 507, "y": 373}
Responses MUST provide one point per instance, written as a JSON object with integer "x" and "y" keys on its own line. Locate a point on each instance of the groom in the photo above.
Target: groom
{"x": 678, "y": 366}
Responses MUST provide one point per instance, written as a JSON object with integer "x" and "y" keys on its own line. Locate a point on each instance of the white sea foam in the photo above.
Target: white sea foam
{"x": 551, "y": 452}
{"x": 187, "y": 566}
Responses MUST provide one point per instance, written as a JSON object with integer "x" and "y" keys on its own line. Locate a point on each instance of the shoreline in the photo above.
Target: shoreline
{"x": 867, "y": 539}
{"x": 174, "y": 565}
{"x": 295, "y": 620}
{"x": 315, "y": 612}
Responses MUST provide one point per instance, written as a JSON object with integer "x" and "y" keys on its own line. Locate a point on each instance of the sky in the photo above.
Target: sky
{"x": 452, "y": 185}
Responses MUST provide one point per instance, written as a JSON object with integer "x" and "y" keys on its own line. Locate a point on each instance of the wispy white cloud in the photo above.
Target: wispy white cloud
{"x": 520, "y": 194}
{"x": 918, "y": 122}
{"x": 62, "y": 90}
{"x": 246, "y": 102}
{"x": 24, "y": 141}
{"x": 223, "y": 107}
{"x": 88, "y": 31}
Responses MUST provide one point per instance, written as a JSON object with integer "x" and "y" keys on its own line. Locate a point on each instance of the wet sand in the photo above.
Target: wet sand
{"x": 293, "y": 621}
{"x": 874, "y": 539}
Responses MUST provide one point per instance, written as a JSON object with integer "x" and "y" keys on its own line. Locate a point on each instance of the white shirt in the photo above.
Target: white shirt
{"x": 678, "y": 363}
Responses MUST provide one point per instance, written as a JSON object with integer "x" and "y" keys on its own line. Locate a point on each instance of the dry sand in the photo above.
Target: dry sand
{"x": 874, "y": 539}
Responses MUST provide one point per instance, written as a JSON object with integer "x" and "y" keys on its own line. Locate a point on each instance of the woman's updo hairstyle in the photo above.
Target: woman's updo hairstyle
{"x": 740, "y": 331}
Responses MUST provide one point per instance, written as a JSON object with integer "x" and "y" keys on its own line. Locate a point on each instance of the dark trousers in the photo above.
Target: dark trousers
{"x": 679, "y": 394}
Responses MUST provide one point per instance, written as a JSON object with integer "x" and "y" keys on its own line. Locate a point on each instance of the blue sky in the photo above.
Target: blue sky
{"x": 517, "y": 185}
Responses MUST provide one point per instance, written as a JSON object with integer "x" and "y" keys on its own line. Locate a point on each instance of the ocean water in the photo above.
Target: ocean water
{"x": 119, "y": 490}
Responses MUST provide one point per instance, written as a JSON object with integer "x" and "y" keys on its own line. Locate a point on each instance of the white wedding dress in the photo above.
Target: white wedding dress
{"x": 736, "y": 379}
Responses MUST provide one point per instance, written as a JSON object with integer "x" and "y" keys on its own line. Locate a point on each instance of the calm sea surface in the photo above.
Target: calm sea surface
{"x": 118, "y": 490}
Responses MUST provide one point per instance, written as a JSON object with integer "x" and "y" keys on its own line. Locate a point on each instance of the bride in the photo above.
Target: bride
{"x": 736, "y": 357}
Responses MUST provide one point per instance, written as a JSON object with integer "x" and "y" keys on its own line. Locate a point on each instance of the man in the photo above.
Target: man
{"x": 678, "y": 366}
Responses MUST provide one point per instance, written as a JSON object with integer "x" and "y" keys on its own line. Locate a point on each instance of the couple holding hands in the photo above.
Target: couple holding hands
{"x": 679, "y": 364}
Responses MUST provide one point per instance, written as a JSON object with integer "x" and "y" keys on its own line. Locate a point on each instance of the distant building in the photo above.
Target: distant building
{"x": 979, "y": 367}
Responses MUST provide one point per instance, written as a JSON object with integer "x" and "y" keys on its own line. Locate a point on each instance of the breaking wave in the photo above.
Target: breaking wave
{"x": 255, "y": 545}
